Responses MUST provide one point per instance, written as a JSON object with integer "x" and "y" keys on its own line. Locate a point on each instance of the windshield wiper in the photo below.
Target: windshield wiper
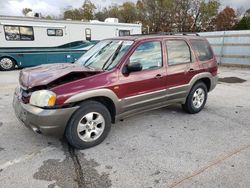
{"x": 87, "y": 64}
{"x": 115, "y": 54}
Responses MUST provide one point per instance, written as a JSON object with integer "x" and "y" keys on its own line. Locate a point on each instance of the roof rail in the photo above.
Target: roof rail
{"x": 169, "y": 33}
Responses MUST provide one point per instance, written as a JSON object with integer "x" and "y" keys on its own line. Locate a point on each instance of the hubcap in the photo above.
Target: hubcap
{"x": 198, "y": 98}
{"x": 91, "y": 127}
{"x": 6, "y": 63}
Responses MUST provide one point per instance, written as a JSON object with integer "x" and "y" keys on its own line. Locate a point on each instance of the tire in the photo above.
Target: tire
{"x": 89, "y": 125}
{"x": 7, "y": 64}
{"x": 196, "y": 99}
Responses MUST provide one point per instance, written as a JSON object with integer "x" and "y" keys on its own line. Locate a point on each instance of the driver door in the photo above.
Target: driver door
{"x": 146, "y": 88}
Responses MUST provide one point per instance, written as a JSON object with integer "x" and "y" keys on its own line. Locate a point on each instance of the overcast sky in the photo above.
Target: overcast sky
{"x": 55, "y": 7}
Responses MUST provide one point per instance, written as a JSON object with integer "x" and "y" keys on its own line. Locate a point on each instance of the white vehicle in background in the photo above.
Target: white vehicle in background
{"x": 26, "y": 41}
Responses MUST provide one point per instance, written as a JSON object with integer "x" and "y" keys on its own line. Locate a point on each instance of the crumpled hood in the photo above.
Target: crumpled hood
{"x": 45, "y": 74}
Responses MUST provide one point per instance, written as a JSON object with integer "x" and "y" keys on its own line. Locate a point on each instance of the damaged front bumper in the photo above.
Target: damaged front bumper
{"x": 43, "y": 121}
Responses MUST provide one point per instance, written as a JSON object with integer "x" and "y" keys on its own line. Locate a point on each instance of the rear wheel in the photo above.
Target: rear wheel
{"x": 89, "y": 126}
{"x": 196, "y": 99}
{"x": 7, "y": 64}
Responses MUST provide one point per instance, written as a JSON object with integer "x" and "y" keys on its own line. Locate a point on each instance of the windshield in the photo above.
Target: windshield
{"x": 105, "y": 55}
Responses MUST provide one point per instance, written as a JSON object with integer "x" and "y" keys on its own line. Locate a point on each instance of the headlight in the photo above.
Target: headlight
{"x": 43, "y": 98}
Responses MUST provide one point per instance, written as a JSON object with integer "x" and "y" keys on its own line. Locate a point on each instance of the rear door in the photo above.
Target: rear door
{"x": 181, "y": 67}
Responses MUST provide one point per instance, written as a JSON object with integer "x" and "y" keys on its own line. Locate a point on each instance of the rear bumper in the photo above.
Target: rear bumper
{"x": 48, "y": 122}
{"x": 214, "y": 81}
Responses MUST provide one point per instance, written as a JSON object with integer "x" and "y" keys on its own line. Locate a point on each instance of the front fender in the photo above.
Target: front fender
{"x": 96, "y": 93}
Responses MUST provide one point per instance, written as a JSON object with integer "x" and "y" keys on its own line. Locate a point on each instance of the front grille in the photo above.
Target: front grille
{"x": 25, "y": 96}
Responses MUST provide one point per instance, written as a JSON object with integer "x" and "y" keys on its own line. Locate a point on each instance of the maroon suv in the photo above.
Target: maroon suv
{"x": 117, "y": 78}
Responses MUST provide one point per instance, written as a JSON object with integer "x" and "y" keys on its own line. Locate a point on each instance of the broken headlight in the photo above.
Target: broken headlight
{"x": 43, "y": 98}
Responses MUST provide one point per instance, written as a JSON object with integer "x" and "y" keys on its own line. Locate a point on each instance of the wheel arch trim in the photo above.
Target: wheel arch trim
{"x": 186, "y": 88}
{"x": 205, "y": 75}
{"x": 94, "y": 94}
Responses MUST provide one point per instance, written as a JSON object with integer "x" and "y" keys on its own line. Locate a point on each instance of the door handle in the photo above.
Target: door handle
{"x": 158, "y": 76}
{"x": 191, "y": 70}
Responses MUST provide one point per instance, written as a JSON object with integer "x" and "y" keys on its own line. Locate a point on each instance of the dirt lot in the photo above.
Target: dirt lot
{"x": 162, "y": 148}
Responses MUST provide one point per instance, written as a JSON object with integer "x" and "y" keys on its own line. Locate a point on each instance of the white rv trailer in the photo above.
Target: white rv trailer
{"x": 51, "y": 33}
{"x": 27, "y": 41}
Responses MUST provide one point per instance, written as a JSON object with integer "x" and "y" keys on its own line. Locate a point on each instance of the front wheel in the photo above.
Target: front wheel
{"x": 89, "y": 126}
{"x": 196, "y": 99}
{"x": 7, "y": 64}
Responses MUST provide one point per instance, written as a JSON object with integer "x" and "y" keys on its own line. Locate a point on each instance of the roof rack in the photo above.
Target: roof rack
{"x": 169, "y": 33}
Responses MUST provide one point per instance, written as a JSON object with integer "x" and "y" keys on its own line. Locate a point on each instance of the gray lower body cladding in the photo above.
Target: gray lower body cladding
{"x": 44, "y": 121}
{"x": 54, "y": 121}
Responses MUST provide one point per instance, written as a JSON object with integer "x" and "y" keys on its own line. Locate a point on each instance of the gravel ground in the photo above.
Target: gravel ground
{"x": 161, "y": 148}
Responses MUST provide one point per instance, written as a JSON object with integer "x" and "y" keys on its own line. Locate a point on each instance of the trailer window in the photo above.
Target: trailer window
{"x": 124, "y": 33}
{"x": 26, "y": 33}
{"x": 55, "y": 32}
{"x": 88, "y": 34}
{"x": 19, "y": 33}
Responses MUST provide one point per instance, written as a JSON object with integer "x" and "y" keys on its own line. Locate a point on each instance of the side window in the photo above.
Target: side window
{"x": 178, "y": 52}
{"x": 202, "y": 49}
{"x": 124, "y": 33}
{"x": 55, "y": 32}
{"x": 26, "y": 33}
{"x": 19, "y": 33}
{"x": 59, "y": 32}
{"x": 149, "y": 54}
{"x": 12, "y": 32}
{"x": 88, "y": 34}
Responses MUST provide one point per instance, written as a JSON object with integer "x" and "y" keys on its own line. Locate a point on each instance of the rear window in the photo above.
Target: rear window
{"x": 202, "y": 49}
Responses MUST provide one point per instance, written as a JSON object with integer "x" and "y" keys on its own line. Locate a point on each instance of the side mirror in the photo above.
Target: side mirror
{"x": 132, "y": 67}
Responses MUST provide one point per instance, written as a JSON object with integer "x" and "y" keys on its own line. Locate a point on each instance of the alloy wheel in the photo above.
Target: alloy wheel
{"x": 91, "y": 127}
{"x": 198, "y": 98}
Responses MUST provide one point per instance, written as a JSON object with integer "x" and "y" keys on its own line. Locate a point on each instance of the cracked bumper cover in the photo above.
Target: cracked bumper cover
{"x": 43, "y": 121}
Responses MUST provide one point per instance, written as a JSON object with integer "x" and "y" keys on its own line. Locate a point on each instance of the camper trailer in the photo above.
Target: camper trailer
{"x": 26, "y": 42}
